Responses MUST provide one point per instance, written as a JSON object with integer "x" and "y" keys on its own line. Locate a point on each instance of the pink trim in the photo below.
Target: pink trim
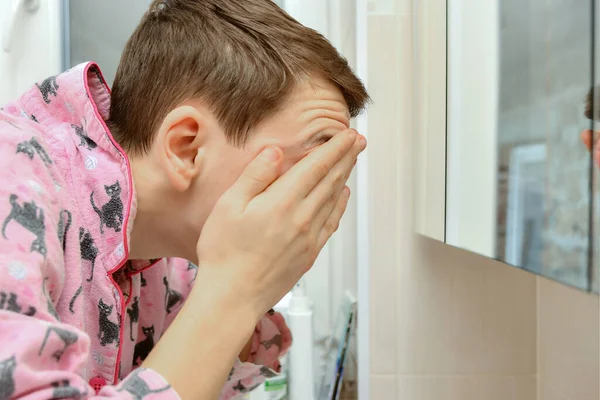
{"x": 125, "y": 217}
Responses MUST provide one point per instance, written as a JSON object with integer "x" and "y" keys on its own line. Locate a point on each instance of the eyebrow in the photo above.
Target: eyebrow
{"x": 318, "y": 139}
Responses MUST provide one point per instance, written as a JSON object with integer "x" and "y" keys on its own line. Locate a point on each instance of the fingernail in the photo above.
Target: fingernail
{"x": 363, "y": 141}
{"x": 347, "y": 191}
{"x": 354, "y": 163}
{"x": 271, "y": 154}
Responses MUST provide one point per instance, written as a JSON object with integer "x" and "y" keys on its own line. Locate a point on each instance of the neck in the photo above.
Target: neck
{"x": 157, "y": 231}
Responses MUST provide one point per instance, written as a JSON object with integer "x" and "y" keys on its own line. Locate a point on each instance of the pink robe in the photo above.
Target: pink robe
{"x": 76, "y": 317}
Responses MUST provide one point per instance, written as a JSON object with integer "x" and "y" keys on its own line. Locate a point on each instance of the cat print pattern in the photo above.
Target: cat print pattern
{"x": 85, "y": 139}
{"x": 111, "y": 213}
{"x": 50, "y": 305}
{"x": 88, "y": 250}
{"x": 109, "y": 331}
{"x": 73, "y": 299}
{"x": 275, "y": 341}
{"x": 143, "y": 348}
{"x": 48, "y": 88}
{"x": 32, "y": 147}
{"x": 134, "y": 315}
{"x": 68, "y": 338}
{"x": 7, "y": 377}
{"x": 137, "y": 387}
{"x": 243, "y": 389}
{"x": 64, "y": 223}
{"x": 64, "y": 390}
{"x": 192, "y": 267}
{"x": 30, "y": 217}
{"x": 172, "y": 297}
{"x": 9, "y": 302}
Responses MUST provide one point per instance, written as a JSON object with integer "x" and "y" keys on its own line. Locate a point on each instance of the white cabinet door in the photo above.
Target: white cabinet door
{"x": 34, "y": 49}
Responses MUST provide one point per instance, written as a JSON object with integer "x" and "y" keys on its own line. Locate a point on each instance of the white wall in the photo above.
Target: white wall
{"x": 36, "y": 49}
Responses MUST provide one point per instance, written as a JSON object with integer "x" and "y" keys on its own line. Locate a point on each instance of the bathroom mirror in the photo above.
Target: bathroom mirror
{"x": 503, "y": 169}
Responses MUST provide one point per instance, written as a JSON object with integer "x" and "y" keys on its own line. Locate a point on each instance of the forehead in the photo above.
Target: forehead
{"x": 315, "y": 109}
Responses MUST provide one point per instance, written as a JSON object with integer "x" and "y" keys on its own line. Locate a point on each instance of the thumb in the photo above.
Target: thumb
{"x": 258, "y": 175}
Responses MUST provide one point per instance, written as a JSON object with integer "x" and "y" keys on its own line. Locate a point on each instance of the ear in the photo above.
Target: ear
{"x": 180, "y": 141}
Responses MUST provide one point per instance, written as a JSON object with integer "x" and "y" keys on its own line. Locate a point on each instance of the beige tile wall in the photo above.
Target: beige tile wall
{"x": 569, "y": 343}
{"x": 447, "y": 324}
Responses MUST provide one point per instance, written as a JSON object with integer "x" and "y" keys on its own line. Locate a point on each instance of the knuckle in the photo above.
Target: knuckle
{"x": 321, "y": 168}
{"x": 332, "y": 226}
{"x": 312, "y": 257}
{"x": 308, "y": 267}
{"x": 339, "y": 179}
{"x": 302, "y": 225}
{"x": 335, "y": 226}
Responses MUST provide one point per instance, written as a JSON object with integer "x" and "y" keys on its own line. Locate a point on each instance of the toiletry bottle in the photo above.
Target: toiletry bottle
{"x": 300, "y": 378}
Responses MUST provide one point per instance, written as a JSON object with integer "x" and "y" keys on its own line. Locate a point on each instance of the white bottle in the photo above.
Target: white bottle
{"x": 299, "y": 320}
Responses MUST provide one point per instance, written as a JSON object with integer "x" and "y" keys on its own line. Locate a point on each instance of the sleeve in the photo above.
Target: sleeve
{"x": 272, "y": 338}
{"x": 40, "y": 357}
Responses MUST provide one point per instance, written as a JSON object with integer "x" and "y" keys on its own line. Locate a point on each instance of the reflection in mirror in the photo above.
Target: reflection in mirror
{"x": 519, "y": 169}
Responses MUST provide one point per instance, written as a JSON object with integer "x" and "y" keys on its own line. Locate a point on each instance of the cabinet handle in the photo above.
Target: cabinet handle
{"x": 17, "y": 7}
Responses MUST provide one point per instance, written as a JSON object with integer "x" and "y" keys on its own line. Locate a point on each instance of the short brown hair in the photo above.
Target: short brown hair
{"x": 241, "y": 57}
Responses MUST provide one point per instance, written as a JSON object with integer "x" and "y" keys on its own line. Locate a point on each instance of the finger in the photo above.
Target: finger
{"x": 333, "y": 182}
{"x": 333, "y": 222}
{"x": 299, "y": 180}
{"x": 257, "y": 176}
{"x": 325, "y": 211}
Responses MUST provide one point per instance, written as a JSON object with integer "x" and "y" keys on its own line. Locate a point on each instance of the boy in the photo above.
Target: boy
{"x": 104, "y": 197}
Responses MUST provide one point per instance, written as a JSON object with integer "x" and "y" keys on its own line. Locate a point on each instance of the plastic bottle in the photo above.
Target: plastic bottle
{"x": 300, "y": 378}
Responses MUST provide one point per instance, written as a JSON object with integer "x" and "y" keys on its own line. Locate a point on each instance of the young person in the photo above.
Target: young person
{"x": 225, "y": 142}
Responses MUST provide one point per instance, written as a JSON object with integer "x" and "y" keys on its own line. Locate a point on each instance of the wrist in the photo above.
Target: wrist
{"x": 212, "y": 293}
{"x": 225, "y": 297}
{"x": 216, "y": 324}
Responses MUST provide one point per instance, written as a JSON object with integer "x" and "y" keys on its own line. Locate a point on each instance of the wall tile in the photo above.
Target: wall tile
{"x": 383, "y": 387}
{"x": 546, "y": 392}
{"x": 467, "y": 387}
{"x": 461, "y": 313}
{"x": 569, "y": 336}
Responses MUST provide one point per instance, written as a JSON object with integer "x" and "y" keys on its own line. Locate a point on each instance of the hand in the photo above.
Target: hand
{"x": 266, "y": 232}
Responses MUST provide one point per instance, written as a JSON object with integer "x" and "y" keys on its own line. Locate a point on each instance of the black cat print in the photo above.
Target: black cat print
{"x": 48, "y": 88}
{"x": 138, "y": 388}
{"x": 85, "y": 139}
{"x": 111, "y": 213}
{"x": 32, "y": 147}
{"x": 9, "y": 302}
{"x": 67, "y": 338}
{"x": 30, "y": 217}
{"x": 108, "y": 332}
{"x": 7, "y": 377}
{"x": 88, "y": 250}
